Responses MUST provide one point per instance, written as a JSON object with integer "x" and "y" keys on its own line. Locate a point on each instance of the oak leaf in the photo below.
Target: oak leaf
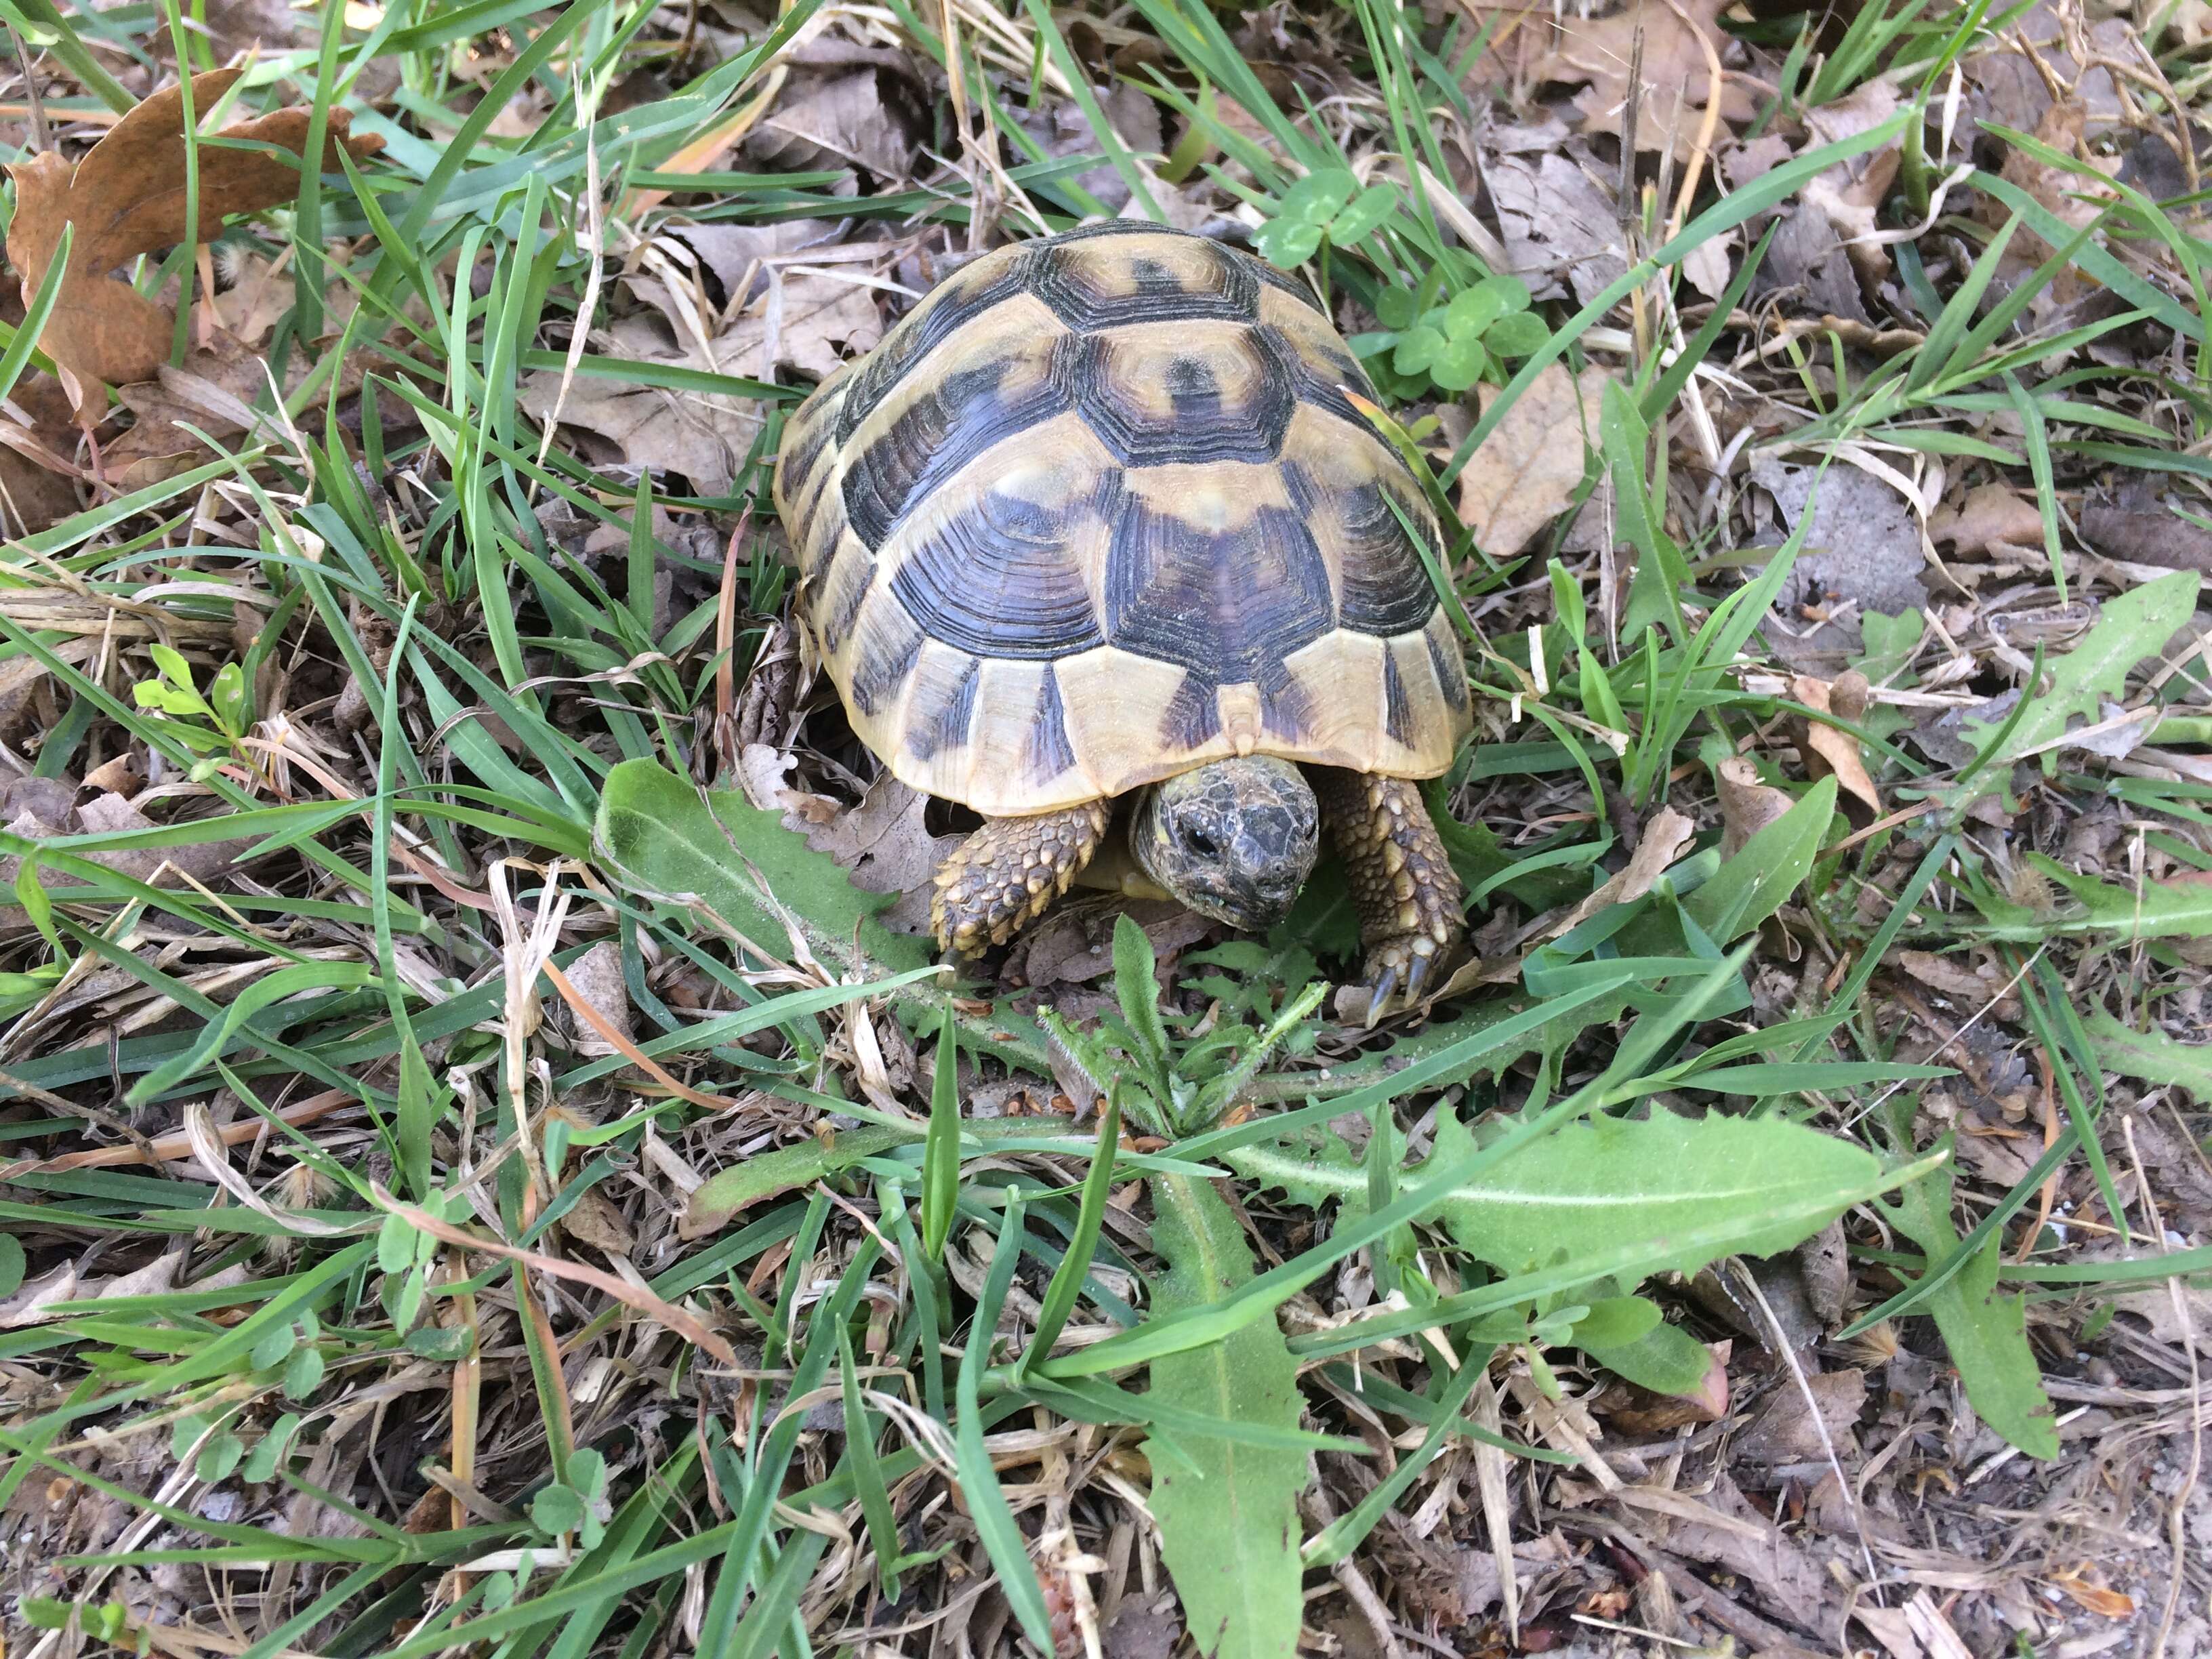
{"x": 125, "y": 199}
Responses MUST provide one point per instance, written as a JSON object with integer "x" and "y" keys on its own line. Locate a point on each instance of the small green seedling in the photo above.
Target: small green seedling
{"x": 1326, "y": 205}
{"x": 578, "y": 1504}
{"x": 174, "y": 694}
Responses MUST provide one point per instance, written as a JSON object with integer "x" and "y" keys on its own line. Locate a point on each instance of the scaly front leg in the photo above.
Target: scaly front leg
{"x": 1009, "y": 871}
{"x": 1408, "y": 897}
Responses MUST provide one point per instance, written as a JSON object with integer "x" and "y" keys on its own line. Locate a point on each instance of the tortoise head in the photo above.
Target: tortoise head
{"x": 1234, "y": 839}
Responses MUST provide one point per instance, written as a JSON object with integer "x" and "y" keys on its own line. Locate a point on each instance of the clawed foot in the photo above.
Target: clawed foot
{"x": 1401, "y": 962}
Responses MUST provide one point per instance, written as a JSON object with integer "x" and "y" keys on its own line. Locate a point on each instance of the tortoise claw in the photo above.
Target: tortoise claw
{"x": 1417, "y": 976}
{"x": 1378, "y": 993}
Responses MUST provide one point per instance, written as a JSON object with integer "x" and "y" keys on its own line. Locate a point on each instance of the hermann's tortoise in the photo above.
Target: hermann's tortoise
{"x": 1099, "y": 523}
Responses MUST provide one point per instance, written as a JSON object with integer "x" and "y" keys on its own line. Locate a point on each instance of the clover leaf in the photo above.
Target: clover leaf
{"x": 1328, "y": 204}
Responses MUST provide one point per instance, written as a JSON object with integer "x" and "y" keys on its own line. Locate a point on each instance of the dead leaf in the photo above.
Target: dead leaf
{"x": 1993, "y": 516}
{"x": 594, "y": 1221}
{"x": 865, "y": 118}
{"x": 36, "y": 489}
{"x": 2142, "y": 526}
{"x": 1826, "y": 751}
{"x": 1664, "y": 837}
{"x": 1808, "y": 267}
{"x": 1557, "y": 223}
{"x": 2074, "y": 200}
{"x": 214, "y": 393}
{"x": 597, "y": 976}
{"x": 1748, "y": 806}
{"x": 1678, "y": 81}
{"x": 1785, "y": 1430}
{"x": 883, "y": 843}
{"x": 2091, "y": 1596}
{"x": 1851, "y": 193}
{"x": 799, "y": 324}
{"x": 1527, "y": 473}
{"x": 1862, "y": 552}
{"x": 125, "y": 199}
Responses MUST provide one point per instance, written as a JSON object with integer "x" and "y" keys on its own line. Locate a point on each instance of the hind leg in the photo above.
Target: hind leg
{"x": 1409, "y": 898}
{"x": 1009, "y": 871}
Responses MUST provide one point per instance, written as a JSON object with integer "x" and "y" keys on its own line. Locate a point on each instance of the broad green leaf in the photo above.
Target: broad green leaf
{"x": 2156, "y": 909}
{"x": 2147, "y": 1056}
{"x": 1521, "y": 335}
{"x": 737, "y": 1188}
{"x": 557, "y": 1509}
{"x": 1604, "y": 1183}
{"x": 1754, "y": 883}
{"x": 1985, "y": 1333}
{"x": 1287, "y": 243}
{"x": 1662, "y": 1358}
{"x": 686, "y": 848}
{"x": 1230, "y": 1531}
{"x": 1460, "y": 362}
{"x": 1363, "y": 215}
{"x": 2134, "y": 628}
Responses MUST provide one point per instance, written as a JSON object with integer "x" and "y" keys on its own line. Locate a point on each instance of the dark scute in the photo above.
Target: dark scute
{"x": 1049, "y": 752}
{"x": 1191, "y": 718}
{"x": 905, "y": 347}
{"x": 888, "y": 650}
{"x": 943, "y": 430}
{"x": 1199, "y": 426}
{"x": 1397, "y": 708}
{"x": 845, "y": 589}
{"x": 1225, "y": 605}
{"x": 1004, "y": 579}
{"x": 1450, "y": 675}
{"x": 1324, "y": 391}
{"x": 940, "y": 714}
{"x": 1387, "y": 589}
{"x": 1230, "y": 291}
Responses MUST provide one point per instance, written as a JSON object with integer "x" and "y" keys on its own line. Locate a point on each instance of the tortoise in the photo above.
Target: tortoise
{"x": 1098, "y": 530}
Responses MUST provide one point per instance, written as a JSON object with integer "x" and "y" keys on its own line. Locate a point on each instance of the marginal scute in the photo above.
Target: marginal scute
{"x": 1102, "y": 509}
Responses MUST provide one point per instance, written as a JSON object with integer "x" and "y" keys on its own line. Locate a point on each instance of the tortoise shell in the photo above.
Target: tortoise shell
{"x": 1100, "y": 510}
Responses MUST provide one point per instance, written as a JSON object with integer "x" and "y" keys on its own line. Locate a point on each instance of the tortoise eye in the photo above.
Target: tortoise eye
{"x": 1200, "y": 842}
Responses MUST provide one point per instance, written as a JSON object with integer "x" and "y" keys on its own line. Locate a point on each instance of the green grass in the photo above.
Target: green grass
{"x": 922, "y": 1299}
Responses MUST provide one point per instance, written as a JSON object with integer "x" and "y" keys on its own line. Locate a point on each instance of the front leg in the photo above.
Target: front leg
{"x": 1408, "y": 897}
{"x": 1008, "y": 872}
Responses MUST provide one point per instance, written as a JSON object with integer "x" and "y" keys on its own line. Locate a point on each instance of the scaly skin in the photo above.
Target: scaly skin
{"x": 1409, "y": 898}
{"x": 1008, "y": 872}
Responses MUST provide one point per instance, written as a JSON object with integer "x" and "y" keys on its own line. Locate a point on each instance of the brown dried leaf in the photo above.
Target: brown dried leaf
{"x": 1528, "y": 472}
{"x": 1828, "y": 752}
{"x": 126, "y": 198}
{"x": 1748, "y": 806}
{"x": 2141, "y": 528}
{"x": 1662, "y": 839}
{"x": 593, "y": 1221}
{"x": 1785, "y": 1431}
{"x": 1678, "y": 81}
{"x": 883, "y": 843}
{"x": 35, "y": 469}
{"x": 1992, "y": 516}
{"x": 706, "y": 436}
{"x": 1558, "y": 224}
{"x": 865, "y": 118}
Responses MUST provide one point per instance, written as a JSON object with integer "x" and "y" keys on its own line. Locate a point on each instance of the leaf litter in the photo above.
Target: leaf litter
{"x": 2000, "y": 880}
